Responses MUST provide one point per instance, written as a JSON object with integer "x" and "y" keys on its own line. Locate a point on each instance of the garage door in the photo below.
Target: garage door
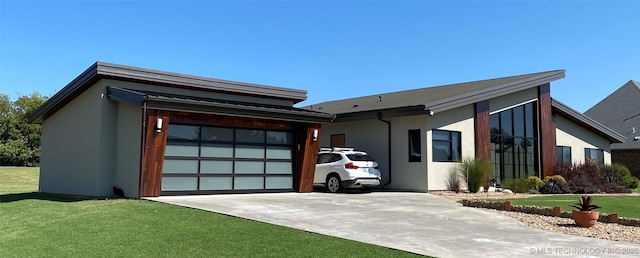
{"x": 207, "y": 159}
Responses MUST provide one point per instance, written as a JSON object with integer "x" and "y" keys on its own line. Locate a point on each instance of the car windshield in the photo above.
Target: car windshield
{"x": 359, "y": 157}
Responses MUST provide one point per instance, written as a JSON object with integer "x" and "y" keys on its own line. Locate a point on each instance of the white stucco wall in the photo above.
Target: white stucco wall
{"x": 460, "y": 119}
{"x": 513, "y": 99}
{"x": 128, "y": 148}
{"x": 408, "y": 175}
{"x": 71, "y": 138}
{"x": 368, "y": 135}
{"x": 578, "y": 138}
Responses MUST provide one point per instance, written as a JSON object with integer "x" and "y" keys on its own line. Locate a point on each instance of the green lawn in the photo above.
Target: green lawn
{"x": 40, "y": 225}
{"x": 626, "y": 206}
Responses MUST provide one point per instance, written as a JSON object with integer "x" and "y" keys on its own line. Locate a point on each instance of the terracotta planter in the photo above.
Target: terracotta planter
{"x": 585, "y": 219}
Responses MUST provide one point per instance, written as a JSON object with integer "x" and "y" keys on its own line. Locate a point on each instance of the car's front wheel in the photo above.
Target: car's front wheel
{"x": 333, "y": 184}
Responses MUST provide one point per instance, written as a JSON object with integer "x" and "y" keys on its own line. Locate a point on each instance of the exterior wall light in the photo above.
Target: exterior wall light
{"x": 314, "y": 136}
{"x": 159, "y": 125}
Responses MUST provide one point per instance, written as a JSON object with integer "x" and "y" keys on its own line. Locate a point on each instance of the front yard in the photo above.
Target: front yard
{"x": 626, "y": 205}
{"x": 41, "y": 225}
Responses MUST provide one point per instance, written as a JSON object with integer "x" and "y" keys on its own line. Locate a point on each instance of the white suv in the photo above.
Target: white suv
{"x": 345, "y": 167}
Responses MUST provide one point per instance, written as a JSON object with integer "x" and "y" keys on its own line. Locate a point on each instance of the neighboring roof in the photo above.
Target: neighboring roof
{"x": 620, "y": 111}
{"x": 101, "y": 70}
{"x": 175, "y": 102}
{"x": 433, "y": 99}
{"x": 587, "y": 122}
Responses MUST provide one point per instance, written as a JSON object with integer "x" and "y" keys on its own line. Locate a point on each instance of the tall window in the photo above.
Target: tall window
{"x": 514, "y": 142}
{"x": 415, "y": 153}
{"x": 446, "y": 145}
{"x": 594, "y": 154}
{"x": 563, "y": 155}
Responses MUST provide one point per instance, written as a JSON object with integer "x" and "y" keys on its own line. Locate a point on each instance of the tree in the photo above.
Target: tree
{"x": 19, "y": 140}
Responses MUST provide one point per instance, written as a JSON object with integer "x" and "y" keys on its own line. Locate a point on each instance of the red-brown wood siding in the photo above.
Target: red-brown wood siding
{"x": 153, "y": 156}
{"x": 482, "y": 130}
{"x": 547, "y": 132}
{"x": 306, "y": 156}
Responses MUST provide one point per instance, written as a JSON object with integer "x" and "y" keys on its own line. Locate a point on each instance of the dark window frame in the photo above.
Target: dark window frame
{"x": 415, "y": 145}
{"x": 457, "y": 152}
{"x": 560, "y": 155}
{"x": 599, "y": 153}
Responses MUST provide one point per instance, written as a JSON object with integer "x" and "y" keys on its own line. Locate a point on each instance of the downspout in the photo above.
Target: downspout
{"x": 142, "y": 147}
{"x": 388, "y": 146}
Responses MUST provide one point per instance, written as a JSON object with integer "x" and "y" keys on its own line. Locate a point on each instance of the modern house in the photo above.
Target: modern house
{"x": 621, "y": 111}
{"x": 417, "y": 136}
{"x": 156, "y": 133}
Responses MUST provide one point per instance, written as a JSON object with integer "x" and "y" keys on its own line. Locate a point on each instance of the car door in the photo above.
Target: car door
{"x": 322, "y": 168}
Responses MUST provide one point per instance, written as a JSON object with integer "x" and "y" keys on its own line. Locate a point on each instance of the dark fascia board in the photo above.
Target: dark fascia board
{"x": 586, "y": 121}
{"x": 493, "y": 92}
{"x": 72, "y": 90}
{"x": 220, "y": 108}
{"x": 101, "y": 70}
{"x": 382, "y": 113}
{"x": 109, "y": 70}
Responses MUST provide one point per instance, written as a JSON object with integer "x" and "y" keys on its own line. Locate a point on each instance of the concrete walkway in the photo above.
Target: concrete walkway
{"x": 414, "y": 222}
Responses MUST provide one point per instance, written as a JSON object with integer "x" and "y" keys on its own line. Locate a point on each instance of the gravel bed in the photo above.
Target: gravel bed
{"x": 609, "y": 231}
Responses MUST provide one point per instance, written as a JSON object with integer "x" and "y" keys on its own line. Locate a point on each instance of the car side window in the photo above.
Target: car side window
{"x": 335, "y": 157}
{"x": 323, "y": 158}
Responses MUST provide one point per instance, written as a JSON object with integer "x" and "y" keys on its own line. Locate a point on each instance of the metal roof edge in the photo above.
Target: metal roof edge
{"x": 74, "y": 87}
{"x": 380, "y": 113}
{"x": 590, "y": 122}
{"x": 495, "y": 91}
{"x": 198, "y": 82}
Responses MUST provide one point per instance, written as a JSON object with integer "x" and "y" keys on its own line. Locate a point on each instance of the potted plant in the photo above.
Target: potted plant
{"x": 584, "y": 216}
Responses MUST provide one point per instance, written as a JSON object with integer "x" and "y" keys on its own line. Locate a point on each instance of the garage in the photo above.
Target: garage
{"x": 151, "y": 133}
{"x": 215, "y": 159}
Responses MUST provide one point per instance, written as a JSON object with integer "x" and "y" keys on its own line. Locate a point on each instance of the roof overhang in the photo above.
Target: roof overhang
{"x": 163, "y": 101}
{"x": 493, "y": 92}
{"x": 587, "y": 122}
{"x": 102, "y": 70}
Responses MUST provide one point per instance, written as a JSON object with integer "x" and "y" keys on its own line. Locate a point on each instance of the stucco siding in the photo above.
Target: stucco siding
{"x": 71, "y": 147}
{"x": 460, "y": 119}
{"x": 408, "y": 175}
{"x": 579, "y": 138}
{"x": 369, "y": 136}
{"x": 510, "y": 100}
{"x": 128, "y": 148}
{"x": 194, "y": 93}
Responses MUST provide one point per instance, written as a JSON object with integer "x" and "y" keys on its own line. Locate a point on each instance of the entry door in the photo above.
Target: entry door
{"x": 337, "y": 140}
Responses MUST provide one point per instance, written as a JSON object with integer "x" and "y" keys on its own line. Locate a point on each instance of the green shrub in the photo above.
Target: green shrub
{"x": 475, "y": 172}
{"x": 535, "y": 183}
{"x": 556, "y": 177}
{"x": 617, "y": 173}
{"x": 517, "y": 185}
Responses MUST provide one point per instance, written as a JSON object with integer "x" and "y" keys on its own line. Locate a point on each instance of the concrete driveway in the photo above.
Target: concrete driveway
{"x": 415, "y": 222}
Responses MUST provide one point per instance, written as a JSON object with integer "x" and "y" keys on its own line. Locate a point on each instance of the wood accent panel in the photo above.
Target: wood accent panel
{"x": 482, "y": 130}
{"x": 547, "y": 131}
{"x": 338, "y": 140}
{"x": 153, "y": 156}
{"x": 218, "y": 120}
{"x": 306, "y": 155}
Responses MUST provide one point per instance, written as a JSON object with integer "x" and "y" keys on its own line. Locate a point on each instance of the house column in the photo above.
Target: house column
{"x": 306, "y": 155}
{"x": 482, "y": 130}
{"x": 153, "y": 155}
{"x": 547, "y": 132}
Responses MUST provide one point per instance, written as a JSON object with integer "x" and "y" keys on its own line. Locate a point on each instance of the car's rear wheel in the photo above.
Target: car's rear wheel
{"x": 333, "y": 184}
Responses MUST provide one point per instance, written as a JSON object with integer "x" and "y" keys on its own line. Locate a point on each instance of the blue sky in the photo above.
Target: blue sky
{"x": 332, "y": 49}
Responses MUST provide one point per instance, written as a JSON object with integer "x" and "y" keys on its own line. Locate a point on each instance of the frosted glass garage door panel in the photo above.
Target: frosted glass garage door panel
{"x": 217, "y": 150}
{"x": 180, "y": 166}
{"x": 249, "y": 167}
{"x": 216, "y": 167}
{"x": 179, "y": 183}
{"x": 279, "y": 168}
{"x": 248, "y": 183}
{"x": 182, "y": 150}
{"x": 278, "y": 153}
{"x": 216, "y": 183}
{"x": 279, "y": 182}
{"x": 251, "y": 152}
